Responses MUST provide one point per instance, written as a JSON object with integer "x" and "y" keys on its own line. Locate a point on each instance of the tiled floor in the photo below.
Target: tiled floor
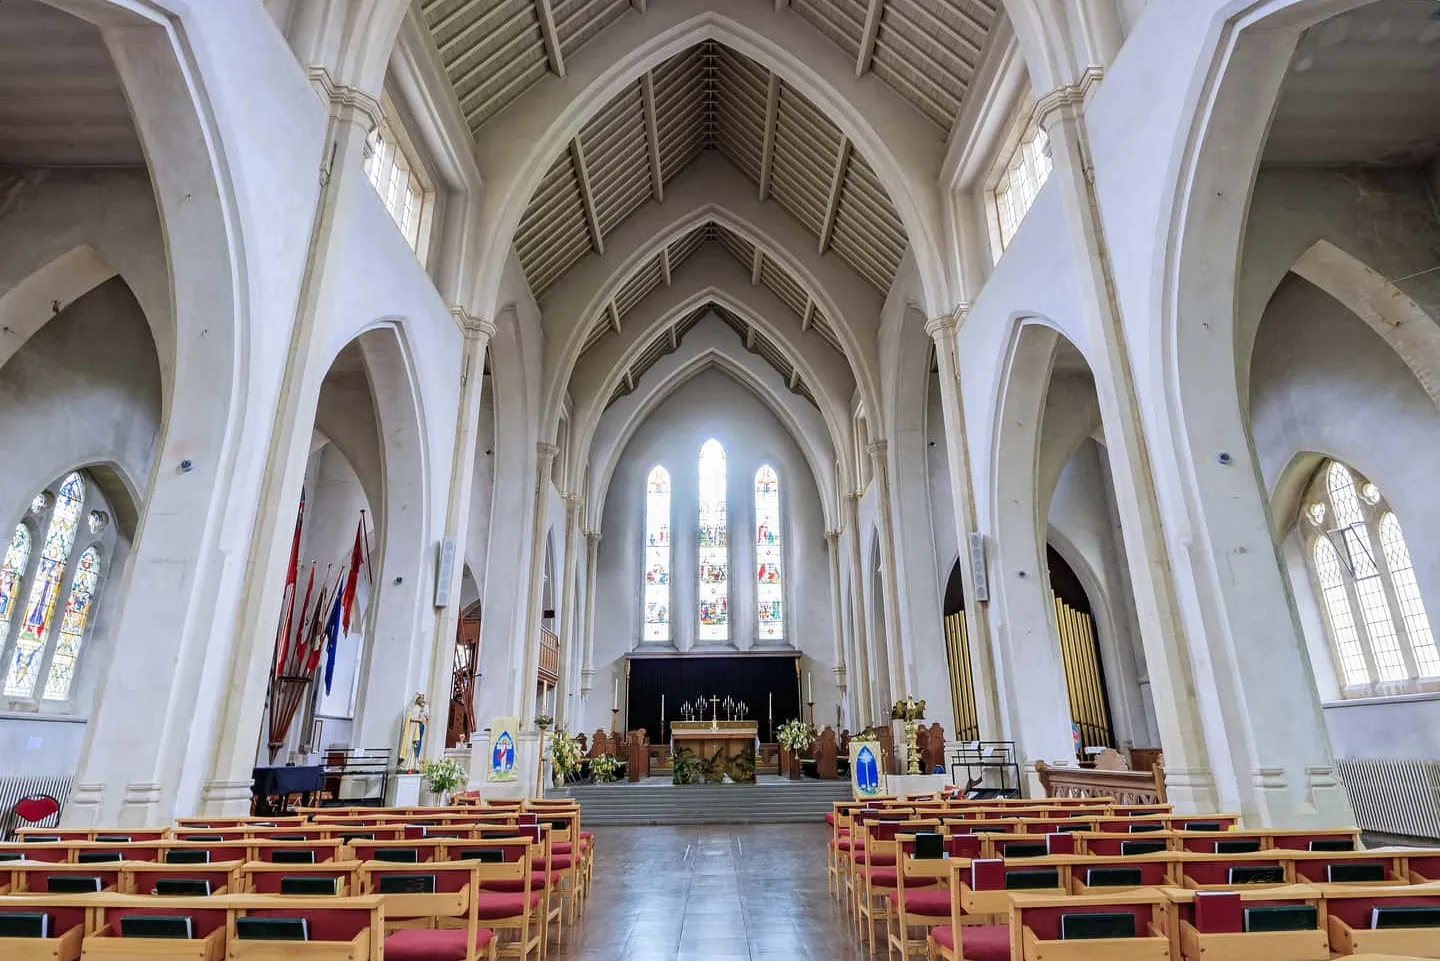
{"x": 712, "y": 893}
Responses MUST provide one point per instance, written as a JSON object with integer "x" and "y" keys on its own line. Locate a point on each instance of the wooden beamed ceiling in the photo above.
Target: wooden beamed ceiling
{"x": 709, "y": 98}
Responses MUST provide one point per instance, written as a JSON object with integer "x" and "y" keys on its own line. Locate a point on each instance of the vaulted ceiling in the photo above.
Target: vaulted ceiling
{"x": 710, "y": 98}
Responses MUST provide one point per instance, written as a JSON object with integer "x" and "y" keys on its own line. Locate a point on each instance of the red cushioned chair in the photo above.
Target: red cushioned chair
{"x": 921, "y": 900}
{"x": 511, "y": 898}
{"x": 881, "y": 876}
{"x": 443, "y": 925}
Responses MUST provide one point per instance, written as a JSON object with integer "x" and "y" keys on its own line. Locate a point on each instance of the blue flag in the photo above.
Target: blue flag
{"x": 332, "y": 639}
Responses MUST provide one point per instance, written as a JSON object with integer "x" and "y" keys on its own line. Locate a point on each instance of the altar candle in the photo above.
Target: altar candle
{"x": 771, "y": 713}
{"x": 662, "y": 708}
{"x": 810, "y": 685}
{"x": 615, "y": 698}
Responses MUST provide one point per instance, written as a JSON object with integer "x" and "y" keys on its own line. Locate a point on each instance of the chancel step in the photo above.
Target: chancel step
{"x": 771, "y": 800}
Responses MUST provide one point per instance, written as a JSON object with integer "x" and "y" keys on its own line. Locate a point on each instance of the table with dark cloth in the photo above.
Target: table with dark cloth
{"x": 272, "y": 785}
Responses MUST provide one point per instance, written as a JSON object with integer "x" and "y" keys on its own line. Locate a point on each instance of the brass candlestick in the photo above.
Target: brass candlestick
{"x": 910, "y": 711}
{"x": 614, "y": 720}
{"x": 811, "y": 706}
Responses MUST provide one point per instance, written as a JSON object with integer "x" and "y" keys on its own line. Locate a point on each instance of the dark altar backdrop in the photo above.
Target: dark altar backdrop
{"x": 684, "y": 677}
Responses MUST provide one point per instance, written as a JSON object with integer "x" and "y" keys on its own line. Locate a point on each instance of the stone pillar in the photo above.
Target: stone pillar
{"x": 457, "y": 521}
{"x": 962, "y": 495}
{"x": 858, "y": 620}
{"x": 592, "y": 561}
{"x": 530, "y": 643}
{"x": 569, "y": 615}
{"x": 1190, "y": 779}
{"x": 901, "y": 675}
{"x": 353, "y": 113}
{"x": 837, "y": 615}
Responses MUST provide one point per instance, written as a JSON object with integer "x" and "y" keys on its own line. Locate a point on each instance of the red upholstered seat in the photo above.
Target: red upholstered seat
{"x": 830, "y": 818}
{"x": 564, "y": 847}
{"x": 586, "y": 836}
{"x": 422, "y": 944}
{"x": 983, "y": 942}
{"x": 890, "y": 877}
{"x": 879, "y": 860}
{"x": 539, "y": 880}
{"x": 929, "y": 902}
{"x": 557, "y": 863}
{"x": 494, "y": 905}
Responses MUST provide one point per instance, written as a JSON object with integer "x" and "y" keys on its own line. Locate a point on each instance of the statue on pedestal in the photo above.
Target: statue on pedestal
{"x": 412, "y": 735}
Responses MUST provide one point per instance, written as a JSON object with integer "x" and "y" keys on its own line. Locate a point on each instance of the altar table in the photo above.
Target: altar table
{"x": 726, "y": 741}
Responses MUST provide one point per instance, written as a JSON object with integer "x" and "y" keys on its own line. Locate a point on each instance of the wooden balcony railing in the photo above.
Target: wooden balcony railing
{"x": 1126, "y": 787}
{"x": 549, "y": 656}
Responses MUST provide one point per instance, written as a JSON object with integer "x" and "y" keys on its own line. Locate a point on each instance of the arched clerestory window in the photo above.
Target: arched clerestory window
{"x": 714, "y": 546}
{"x": 769, "y": 569}
{"x": 49, "y": 583}
{"x": 1377, "y": 625}
{"x": 657, "y": 556}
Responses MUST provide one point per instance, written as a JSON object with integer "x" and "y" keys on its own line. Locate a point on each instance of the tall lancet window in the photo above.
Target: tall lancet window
{"x": 657, "y": 555}
{"x": 1362, "y": 567}
{"x": 714, "y": 543}
{"x": 769, "y": 586}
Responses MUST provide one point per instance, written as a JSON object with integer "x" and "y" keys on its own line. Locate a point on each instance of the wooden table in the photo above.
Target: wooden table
{"x": 723, "y": 747}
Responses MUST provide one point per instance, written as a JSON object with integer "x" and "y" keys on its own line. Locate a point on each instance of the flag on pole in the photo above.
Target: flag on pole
{"x": 332, "y": 639}
{"x": 287, "y": 601}
{"x": 300, "y": 630}
{"x": 352, "y": 578}
{"x": 315, "y": 631}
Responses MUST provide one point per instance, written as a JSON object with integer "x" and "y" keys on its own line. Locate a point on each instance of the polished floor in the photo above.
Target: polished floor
{"x": 711, "y": 893}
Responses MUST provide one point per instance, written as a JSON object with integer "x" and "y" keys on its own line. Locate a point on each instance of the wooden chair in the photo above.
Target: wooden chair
{"x": 920, "y": 899}
{"x": 224, "y": 876}
{"x": 34, "y": 877}
{"x": 1207, "y": 934}
{"x": 69, "y": 920}
{"x": 341, "y": 929}
{"x": 206, "y": 943}
{"x": 1348, "y": 914}
{"x": 438, "y": 925}
{"x": 1155, "y": 871}
{"x": 967, "y": 937}
{"x": 511, "y": 898}
{"x": 266, "y": 877}
{"x": 881, "y": 873}
{"x": 1037, "y": 927}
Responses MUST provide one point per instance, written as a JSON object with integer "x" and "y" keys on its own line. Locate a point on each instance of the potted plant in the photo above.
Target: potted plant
{"x": 795, "y": 737}
{"x": 442, "y": 777}
{"x": 564, "y": 755}
{"x": 604, "y": 769}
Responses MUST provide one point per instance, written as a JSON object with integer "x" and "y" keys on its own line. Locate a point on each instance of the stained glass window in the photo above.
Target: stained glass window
{"x": 25, "y": 663}
{"x": 72, "y": 626}
{"x": 12, "y": 571}
{"x": 657, "y": 555}
{"x": 1362, "y": 562}
{"x": 714, "y": 545}
{"x": 769, "y": 586}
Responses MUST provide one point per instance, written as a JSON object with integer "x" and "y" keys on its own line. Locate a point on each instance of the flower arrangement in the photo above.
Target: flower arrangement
{"x": 443, "y": 776}
{"x": 604, "y": 769}
{"x": 542, "y": 721}
{"x": 794, "y": 735}
{"x": 866, "y": 736}
{"x": 564, "y": 753}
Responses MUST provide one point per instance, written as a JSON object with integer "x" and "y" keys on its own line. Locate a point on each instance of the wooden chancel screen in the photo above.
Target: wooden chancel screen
{"x": 461, "y": 723}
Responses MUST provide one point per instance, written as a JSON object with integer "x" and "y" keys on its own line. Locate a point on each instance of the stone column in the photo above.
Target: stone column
{"x": 592, "y": 561}
{"x": 569, "y": 616}
{"x": 353, "y": 113}
{"x": 900, "y": 672}
{"x": 837, "y": 614}
{"x": 457, "y": 521}
{"x": 858, "y": 620}
{"x": 962, "y": 495}
{"x": 1190, "y": 779}
{"x": 530, "y": 643}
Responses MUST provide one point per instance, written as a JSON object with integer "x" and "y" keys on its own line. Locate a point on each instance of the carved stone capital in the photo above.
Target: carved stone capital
{"x": 1068, "y": 98}
{"x": 346, "y": 102}
{"x": 472, "y": 326}
{"x": 878, "y": 448}
{"x": 546, "y": 451}
{"x": 833, "y": 536}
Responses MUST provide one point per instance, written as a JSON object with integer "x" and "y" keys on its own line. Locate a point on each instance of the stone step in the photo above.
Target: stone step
{"x": 656, "y": 801}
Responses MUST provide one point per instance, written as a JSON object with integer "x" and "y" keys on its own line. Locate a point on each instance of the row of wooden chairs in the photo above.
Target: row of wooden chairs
{"x": 445, "y": 885}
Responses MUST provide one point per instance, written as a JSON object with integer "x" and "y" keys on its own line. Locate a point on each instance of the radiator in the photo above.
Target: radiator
{"x": 1394, "y": 797}
{"x": 12, "y": 789}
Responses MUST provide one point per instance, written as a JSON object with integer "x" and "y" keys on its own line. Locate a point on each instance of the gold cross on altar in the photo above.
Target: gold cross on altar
{"x": 714, "y": 710}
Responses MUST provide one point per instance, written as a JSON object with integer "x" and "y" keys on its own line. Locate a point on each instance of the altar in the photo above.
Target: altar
{"x": 707, "y": 752}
